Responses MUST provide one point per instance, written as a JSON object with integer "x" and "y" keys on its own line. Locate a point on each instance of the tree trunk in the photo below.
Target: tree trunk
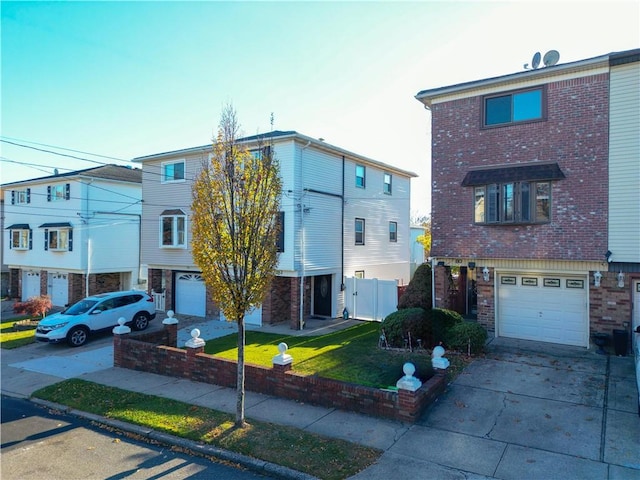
{"x": 240, "y": 423}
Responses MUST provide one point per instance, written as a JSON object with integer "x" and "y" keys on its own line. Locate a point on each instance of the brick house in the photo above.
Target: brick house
{"x": 536, "y": 205}
{"x": 73, "y": 234}
{"x": 344, "y": 216}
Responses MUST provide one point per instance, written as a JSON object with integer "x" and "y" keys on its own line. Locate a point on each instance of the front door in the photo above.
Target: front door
{"x": 322, "y": 295}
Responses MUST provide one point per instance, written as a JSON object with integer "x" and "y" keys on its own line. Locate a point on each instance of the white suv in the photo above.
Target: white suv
{"x": 94, "y": 313}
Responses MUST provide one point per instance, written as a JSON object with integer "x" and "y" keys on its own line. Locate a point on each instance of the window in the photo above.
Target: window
{"x": 20, "y": 196}
{"x": 280, "y": 241}
{"x": 359, "y": 231}
{"x": 20, "y": 237}
{"x": 393, "y": 231}
{"x": 58, "y": 192}
{"x": 173, "y": 171}
{"x": 513, "y": 108}
{"x": 359, "y": 274}
{"x": 57, "y": 239}
{"x": 513, "y": 202}
{"x": 387, "y": 184}
{"x": 360, "y": 176}
{"x": 173, "y": 225}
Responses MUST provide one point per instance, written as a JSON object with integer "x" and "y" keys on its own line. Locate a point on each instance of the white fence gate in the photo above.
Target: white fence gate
{"x": 370, "y": 298}
{"x": 159, "y": 299}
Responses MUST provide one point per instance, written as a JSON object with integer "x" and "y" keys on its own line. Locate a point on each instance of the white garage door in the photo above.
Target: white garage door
{"x": 191, "y": 294}
{"x": 58, "y": 289}
{"x": 30, "y": 284}
{"x": 547, "y": 308}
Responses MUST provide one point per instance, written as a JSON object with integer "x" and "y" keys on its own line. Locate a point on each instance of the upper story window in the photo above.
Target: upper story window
{"x": 173, "y": 229}
{"x": 58, "y": 237}
{"x": 359, "y": 228}
{"x": 514, "y": 202}
{"x": 61, "y": 191}
{"x": 387, "y": 184}
{"x": 361, "y": 176}
{"x": 514, "y": 193}
{"x": 173, "y": 171}
{"x": 393, "y": 231}
{"x": 526, "y": 105}
{"x": 20, "y": 196}
{"x": 20, "y": 237}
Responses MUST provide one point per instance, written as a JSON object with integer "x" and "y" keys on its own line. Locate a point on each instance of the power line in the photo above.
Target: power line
{"x": 61, "y": 148}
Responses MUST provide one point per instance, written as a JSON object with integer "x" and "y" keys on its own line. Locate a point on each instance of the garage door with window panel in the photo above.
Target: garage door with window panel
{"x": 30, "y": 284}
{"x": 58, "y": 286}
{"x": 191, "y": 294}
{"x": 547, "y": 308}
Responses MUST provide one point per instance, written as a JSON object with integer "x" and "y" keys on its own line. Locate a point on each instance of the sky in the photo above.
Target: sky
{"x": 109, "y": 81}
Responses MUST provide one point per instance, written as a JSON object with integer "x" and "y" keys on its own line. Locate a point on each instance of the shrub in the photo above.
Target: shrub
{"x": 397, "y": 326}
{"x": 418, "y": 292}
{"x": 442, "y": 321}
{"x": 467, "y": 337}
{"x": 34, "y": 306}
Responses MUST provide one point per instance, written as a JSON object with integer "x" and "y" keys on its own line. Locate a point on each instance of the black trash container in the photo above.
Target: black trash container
{"x": 620, "y": 341}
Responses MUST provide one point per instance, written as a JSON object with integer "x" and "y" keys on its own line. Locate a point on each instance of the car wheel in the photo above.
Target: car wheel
{"x": 78, "y": 336}
{"x": 140, "y": 321}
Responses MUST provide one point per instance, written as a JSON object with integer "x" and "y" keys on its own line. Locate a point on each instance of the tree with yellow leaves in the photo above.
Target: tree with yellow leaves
{"x": 236, "y": 198}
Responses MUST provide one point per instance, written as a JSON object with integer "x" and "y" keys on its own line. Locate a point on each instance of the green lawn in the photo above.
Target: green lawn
{"x": 322, "y": 457}
{"x": 351, "y": 355}
{"x": 11, "y": 339}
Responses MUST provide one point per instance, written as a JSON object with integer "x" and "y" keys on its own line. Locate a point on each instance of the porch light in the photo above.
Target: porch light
{"x": 621, "y": 279}
{"x": 596, "y": 278}
{"x": 471, "y": 265}
{"x": 485, "y": 274}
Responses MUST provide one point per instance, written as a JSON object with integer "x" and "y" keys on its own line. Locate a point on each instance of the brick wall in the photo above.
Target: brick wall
{"x": 609, "y": 305}
{"x": 575, "y": 135}
{"x": 156, "y": 353}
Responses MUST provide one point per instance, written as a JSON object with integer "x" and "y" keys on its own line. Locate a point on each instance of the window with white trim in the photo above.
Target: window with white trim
{"x": 58, "y": 239}
{"x": 61, "y": 191}
{"x": 173, "y": 171}
{"x": 20, "y": 196}
{"x": 173, "y": 229}
{"x": 20, "y": 239}
{"x": 386, "y": 188}
{"x": 359, "y": 229}
{"x": 361, "y": 173}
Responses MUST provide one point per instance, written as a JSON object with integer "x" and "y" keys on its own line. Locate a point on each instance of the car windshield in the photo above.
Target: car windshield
{"x": 81, "y": 307}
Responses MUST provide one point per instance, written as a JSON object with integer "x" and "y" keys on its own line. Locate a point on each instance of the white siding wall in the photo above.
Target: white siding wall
{"x": 624, "y": 163}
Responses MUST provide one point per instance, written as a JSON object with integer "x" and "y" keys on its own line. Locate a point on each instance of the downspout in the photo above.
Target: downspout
{"x": 342, "y": 285}
{"x": 302, "y": 235}
{"x": 433, "y": 282}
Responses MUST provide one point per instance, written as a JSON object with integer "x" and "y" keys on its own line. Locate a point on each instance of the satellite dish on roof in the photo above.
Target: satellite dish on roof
{"x": 535, "y": 61}
{"x": 551, "y": 58}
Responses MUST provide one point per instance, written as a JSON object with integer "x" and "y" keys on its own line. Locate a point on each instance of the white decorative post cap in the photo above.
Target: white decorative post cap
{"x": 283, "y": 358}
{"x": 170, "y": 320}
{"x": 121, "y": 329}
{"x": 437, "y": 359}
{"x": 195, "y": 341}
{"x": 409, "y": 382}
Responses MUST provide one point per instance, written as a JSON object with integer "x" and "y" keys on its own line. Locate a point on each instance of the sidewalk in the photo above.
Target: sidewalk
{"x": 527, "y": 410}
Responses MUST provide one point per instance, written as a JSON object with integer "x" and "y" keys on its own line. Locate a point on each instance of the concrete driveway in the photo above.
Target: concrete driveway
{"x": 528, "y": 410}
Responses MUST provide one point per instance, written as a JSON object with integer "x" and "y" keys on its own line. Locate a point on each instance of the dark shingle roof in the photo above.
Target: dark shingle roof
{"x": 107, "y": 172}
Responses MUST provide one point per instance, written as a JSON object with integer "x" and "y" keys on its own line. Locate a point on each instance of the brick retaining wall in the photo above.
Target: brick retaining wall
{"x": 156, "y": 353}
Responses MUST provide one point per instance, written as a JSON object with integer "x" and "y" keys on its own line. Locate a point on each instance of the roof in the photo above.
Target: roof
{"x": 107, "y": 172}
{"x": 513, "y": 173}
{"x": 275, "y": 136}
{"x": 614, "y": 58}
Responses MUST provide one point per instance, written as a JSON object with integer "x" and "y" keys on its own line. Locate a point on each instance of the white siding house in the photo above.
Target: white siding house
{"x": 321, "y": 200}
{"x": 73, "y": 234}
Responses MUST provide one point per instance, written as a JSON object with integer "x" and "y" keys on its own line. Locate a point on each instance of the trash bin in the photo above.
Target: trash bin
{"x": 620, "y": 342}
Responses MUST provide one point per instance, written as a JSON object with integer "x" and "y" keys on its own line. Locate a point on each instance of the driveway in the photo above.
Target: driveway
{"x": 528, "y": 410}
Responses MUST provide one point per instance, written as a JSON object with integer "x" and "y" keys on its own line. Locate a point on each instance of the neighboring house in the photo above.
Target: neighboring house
{"x": 417, "y": 249}
{"x": 536, "y": 198}
{"x": 73, "y": 234}
{"x": 344, "y": 215}
{"x": 4, "y": 269}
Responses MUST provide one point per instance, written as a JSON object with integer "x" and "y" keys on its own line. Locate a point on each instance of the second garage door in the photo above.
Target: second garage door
{"x": 547, "y": 308}
{"x": 191, "y": 294}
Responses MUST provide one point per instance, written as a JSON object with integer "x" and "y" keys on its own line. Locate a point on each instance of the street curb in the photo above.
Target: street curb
{"x": 254, "y": 464}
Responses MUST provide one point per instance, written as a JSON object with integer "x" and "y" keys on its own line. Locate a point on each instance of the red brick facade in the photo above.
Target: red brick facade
{"x": 575, "y": 135}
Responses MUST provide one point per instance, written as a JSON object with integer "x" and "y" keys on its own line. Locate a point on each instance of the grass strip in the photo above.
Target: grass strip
{"x": 13, "y": 339}
{"x": 325, "y": 458}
